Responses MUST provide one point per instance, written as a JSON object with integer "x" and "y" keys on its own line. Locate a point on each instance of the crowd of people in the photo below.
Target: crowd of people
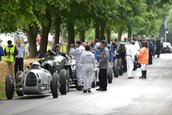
{"x": 87, "y": 56}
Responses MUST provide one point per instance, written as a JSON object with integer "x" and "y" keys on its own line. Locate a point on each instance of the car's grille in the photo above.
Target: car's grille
{"x": 31, "y": 80}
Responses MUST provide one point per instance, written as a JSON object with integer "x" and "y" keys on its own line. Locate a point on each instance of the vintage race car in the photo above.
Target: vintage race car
{"x": 68, "y": 67}
{"x": 34, "y": 80}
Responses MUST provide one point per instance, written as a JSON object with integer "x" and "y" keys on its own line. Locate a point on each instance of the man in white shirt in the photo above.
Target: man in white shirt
{"x": 19, "y": 58}
{"x": 130, "y": 57}
{"x": 77, "y": 54}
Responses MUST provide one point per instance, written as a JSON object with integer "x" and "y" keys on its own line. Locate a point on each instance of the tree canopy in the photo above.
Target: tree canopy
{"x": 77, "y": 17}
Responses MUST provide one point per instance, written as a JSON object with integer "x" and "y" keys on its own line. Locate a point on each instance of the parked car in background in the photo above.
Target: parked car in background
{"x": 166, "y": 47}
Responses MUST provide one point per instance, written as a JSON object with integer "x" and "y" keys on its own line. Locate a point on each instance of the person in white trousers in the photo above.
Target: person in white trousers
{"x": 88, "y": 63}
{"x": 77, "y": 54}
{"x": 130, "y": 57}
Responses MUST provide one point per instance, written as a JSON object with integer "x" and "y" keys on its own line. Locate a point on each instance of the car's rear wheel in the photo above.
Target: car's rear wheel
{"x": 55, "y": 85}
{"x": 9, "y": 87}
{"x": 109, "y": 75}
{"x": 115, "y": 68}
{"x": 67, "y": 80}
{"x": 63, "y": 83}
{"x": 19, "y": 93}
{"x": 121, "y": 71}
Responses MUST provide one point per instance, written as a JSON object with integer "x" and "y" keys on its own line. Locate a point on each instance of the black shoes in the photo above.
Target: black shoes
{"x": 143, "y": 75}
{"x": 85, "y": 91}
{"x": 89, "y": 91}
{"x": 101, "y": 89}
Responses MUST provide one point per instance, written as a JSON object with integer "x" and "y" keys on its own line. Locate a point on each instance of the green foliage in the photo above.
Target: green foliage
{"x": 144, "y": 16}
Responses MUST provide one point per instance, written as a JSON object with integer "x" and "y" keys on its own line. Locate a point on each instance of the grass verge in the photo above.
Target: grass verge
{"x": 2, "y": 90}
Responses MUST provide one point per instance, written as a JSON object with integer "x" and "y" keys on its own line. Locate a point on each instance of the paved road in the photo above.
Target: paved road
{"x": 124, "y": 97}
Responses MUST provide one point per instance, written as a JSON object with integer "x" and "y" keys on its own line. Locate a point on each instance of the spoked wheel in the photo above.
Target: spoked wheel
{"x": 63, "y": 83}
{"x": 9, "y": 87}
{"x": 19, "y": 93}
{"x": 55, "y": 85}
{"x": 115, "y": 68}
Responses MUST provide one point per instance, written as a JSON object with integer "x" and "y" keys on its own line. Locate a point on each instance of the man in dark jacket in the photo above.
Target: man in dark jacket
{"x": 158, "y": 47}
{"x": 103, "y": 65}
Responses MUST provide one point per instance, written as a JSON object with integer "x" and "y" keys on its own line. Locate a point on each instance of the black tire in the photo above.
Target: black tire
{"x": 135, "y": 65}
{"x": 67, "y": 80}
{"x": 9, "y": 87}
{"x": 115, "y": 68}
{"x": 95, "y": 80}
{"x": 55, "y": 85}
{"x": 120, "y": 65}
{"x": 63, "y": 83}
{"x": 109, "y": 75}
{"x": 19, "y": 93}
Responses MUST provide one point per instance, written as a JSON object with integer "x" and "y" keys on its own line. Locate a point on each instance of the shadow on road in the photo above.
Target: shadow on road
{"x": 31, "y": 97}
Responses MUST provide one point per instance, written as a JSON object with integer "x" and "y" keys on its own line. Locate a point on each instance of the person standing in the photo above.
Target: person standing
{"x": 103, "y": 66}
{"x": 143, "y": 59}
{"x": 19, "y": 62}
{"x": 1, "y": 51}
{"x": 151, "y": 48}
{"x": 88, "y": 63}
{"x": 130, "y": 58}
{"x": 10, "y": 53}
{"x": 158, "y": 47}
{"x": 77, "y": 54}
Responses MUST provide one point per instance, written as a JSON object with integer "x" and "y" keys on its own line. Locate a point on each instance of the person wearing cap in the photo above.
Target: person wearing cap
{"x": 77, "y": 54}
{"x": 143, "y": 59}
{"x": 88, "y": 63}
{"x": 19, "y": 62}
{"x": 130, "y": 58}
{"x": 10, "y": 53}
{"x": 103, "y": 66}
{"x": 1, "y": 51}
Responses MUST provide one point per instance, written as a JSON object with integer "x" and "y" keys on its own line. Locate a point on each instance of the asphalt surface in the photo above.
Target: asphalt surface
{"x": 152, "y": 96}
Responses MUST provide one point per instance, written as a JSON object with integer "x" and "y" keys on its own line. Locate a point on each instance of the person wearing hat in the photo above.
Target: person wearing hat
{"x": 56, "y": 51}
{"x": 71, "y": 49}
{"x": 1, "y": 51}
{"x": 10, "y": 53}
{"x": 130, "y": 58}
{"x": 103, "y": 66}
{"x": 77, "y": 54}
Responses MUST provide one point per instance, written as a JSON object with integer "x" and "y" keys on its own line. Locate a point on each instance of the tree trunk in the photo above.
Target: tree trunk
{"x": 108, "y": 33}
{"x": 97, "y": 31}
{"x": 31, "y": 35}
{"x": 120, "y": 33}
{"x": 57, "y": 29}
{"x": 129, "y": 32}
{"x": 102, "y": 31}
{"x": 71, "y": 33}
{"x": 82, "y": 34}
{"x": 45, "y": 31}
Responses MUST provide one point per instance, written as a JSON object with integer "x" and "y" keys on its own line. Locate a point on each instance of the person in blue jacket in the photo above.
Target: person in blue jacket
{"x": 1, "y": 51}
